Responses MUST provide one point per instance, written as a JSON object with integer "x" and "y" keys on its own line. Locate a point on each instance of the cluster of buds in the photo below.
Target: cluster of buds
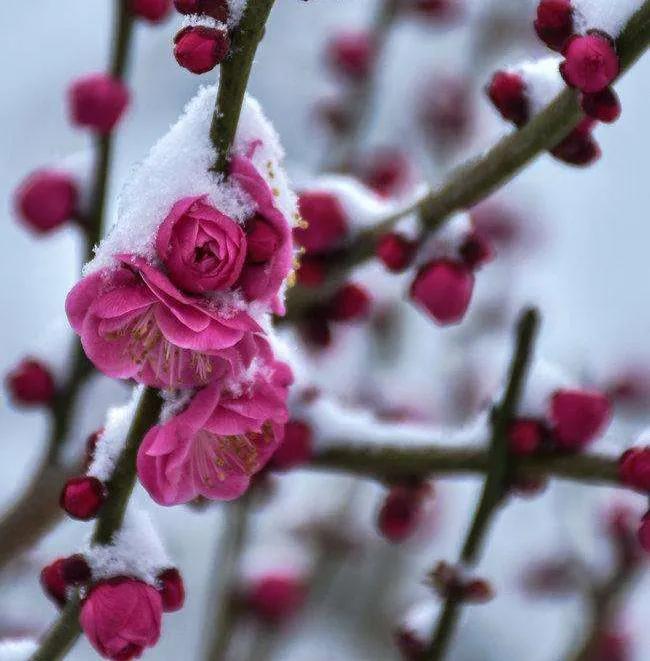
{"x": 444, "y": 281}
{"x": 121, "y": 615}
{"x": 574, "y": 419}
{"x": 512, "y": 93}
{"x": 404, "y": 511}
{"x": 205, "y": 42}
{"x": 31, "y": 384}
{"x": 590, "y": 63}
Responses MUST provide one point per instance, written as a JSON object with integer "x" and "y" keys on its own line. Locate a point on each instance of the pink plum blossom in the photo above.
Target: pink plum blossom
{"x": 203, "y": 249}
{"x": 134, "y": 323}
{"x": 218, "y": 442}
{"x": 121, "y": 617}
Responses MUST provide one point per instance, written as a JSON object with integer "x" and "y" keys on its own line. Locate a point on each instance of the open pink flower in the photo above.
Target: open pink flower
{"x": 134, "y": 323}
{"x": 214, "y": 447}
{"x": 202, "y": 248}
{"x": 270, "y": 253}
{"x": 121, "y": 617}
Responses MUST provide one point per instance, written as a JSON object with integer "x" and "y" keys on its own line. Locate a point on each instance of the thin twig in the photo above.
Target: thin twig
{"x": 35, "y": 510}
{"x": 496, "y": 479}
{"x": 481, "y": 176}
{"x": 65, "y": 631}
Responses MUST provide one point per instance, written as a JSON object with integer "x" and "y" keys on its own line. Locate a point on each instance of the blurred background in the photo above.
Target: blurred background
{"x": 583, "y": 262}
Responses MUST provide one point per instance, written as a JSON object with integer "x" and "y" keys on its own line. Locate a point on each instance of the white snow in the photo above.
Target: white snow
{"x": 136, "y": 551}
{"x": 192, "y": 20}
{"x": 544, "y": 378}
{"x": 178, "y": 166}
{"x": 235, "y": 11}
{"x": 17, "y": 650}
{"x": 334, "y": 424}
{"x": 111, "y": 442}
{"x": 420, "y": 619}
{"x": 446, "y": 242}
{"x": 542, "y": 80}
{"x": 610, "y": 16}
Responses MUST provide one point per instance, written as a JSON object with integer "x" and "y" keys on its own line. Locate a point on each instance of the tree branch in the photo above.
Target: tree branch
{"x": 481, "y": 176}
{"x": 65, "y": 631}
{"x": 495, "y": 485}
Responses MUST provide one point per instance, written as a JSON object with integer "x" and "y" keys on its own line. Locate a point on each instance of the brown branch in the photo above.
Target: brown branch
{"x": 481, "y": 176}
{"x": 65, "y": 631}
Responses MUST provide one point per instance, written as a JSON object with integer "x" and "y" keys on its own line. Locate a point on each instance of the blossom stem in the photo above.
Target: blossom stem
{"x": 65, "y": 631}
{"x": 481, "y": 176}
{"x": 233, "y": 81}
{"x": 36, "y": 510}
{"x": 495, "y": 485}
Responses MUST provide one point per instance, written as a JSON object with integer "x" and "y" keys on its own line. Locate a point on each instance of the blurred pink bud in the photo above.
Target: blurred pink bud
{"x": 634, "y": 469}
{"x": 276, "y": 598}
{"x": 199, "y": 49}
{"x": 525, "y": 436}
{"x": 603, "y": 106}
{"x": 401, "y": 512}
{"x": 327, "y": 221}
{"x": 153, "y": 11}
{"x": 446, "y": 112}
{"x": 507, "y": 92}
{"x": 82, "y": 497}
{"x": 443, "y": 288}
{"x": 351, "y": 302}
{"x": 554, "y": 23}
{"x": 312, "y": 271}
{"x": 578, "y": 417}
{"x": 31, "y": 383}
{"x": 351, "y": 55}
{"x": 121, "y": 617}
{"x": 172, "y": 590}
{"x": 395, "y": 251}
{"x": 53, "y": 583}
{"x": 476, "y": 250}
{"x": 46, "y": 199}
{"x": 590, "y": 63}
{"x": 97, "y": 101}
{"x": 386, "y": 171}
{"x": 579, "y": 147}
{"x": 76, "y": 570}
{"x": 296, "y": 448}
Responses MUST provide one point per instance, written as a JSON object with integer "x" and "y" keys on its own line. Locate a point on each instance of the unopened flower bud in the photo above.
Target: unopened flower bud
{"x": 634, "y": 469}
{"x": 554, "y": 23}
{"x": 578, "y": 417}
{"x": 508, "y": 94}
{"x": 591, "y": 63}
{"x": 327, "y": 223}
{"x": 275, "y": 598}
{"x": 351, "y": 55}
{"x": 172, "y": 590}
{"x": 395, "y": 251}
{"x": 76, "y": 570}
{"x": 82, "y": 497}
{"x": 350, "y": 303}
{"x": 31, "y": 383}
{"x": 199, "y": 48}
{"x": 53, "y": 583}
{"x": 153, "y": 11}
{"x": 603, "y": 106}
{"x": 97, "y": 101}
{"x": 525, "y": 436}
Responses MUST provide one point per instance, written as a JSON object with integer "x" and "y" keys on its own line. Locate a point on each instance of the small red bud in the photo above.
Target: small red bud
{"x": 351, "y": 55}
{"x": 261, "y": 241}
{"x": 46, "y": 199}
{"x": 31, "y": 383}
{"x": 296, "y": 448}
{"x": 579, "y": 147}
{"x": 53, "y": 583}
{"x": 97, "y": 101}
{"x": 82, "y": 497}
{"x": 446, "y": 110}
{"x": 578, "y": 417}
{"x": 172, "y": 590}
{"x": 525, "y": 436}
{"x": 153, "y": 11}
{"x": 590, "y": 63}
{"x": 554, "y": 23}
{"x": 508, "y": 94}
{"x": 387, "y": 172}
{"x": 76, "y": 570}
{"x": 478, "y": 591}
{"x": 350, "y": 303}
{"x": 476, "y": 250}
{"x": 634, "y": 469}
{"x": 395, "y": 251}
{"x": 401, "y": 512}
{"x": 275, "y": 598}
{"x": 217, "y": 9}
{"x": 327, "y": 221}
{"x": 199, "y": 49}
{"x": 443, "y": 288}
{"x": 603, "y": 106}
